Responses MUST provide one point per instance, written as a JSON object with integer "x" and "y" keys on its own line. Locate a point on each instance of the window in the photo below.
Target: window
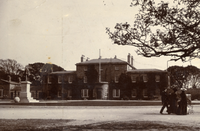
{"x": 85, "y": 69}
{"x": 69, "y": 93}
{"x": 59, "y": 93}
{"x": 116, "y": 79}
{"x": 32, "y": 94}
{"x": 134, "y": 78}
{"x": 49, "y": 79}
{"x": 59, "y": 79}
{"x": 69, "y": 79}
{"x": 18, "y": 94}
{"x": 145, "y": 94}
{"x": 134, "y": 93}
{"x": 157, "y": 78}
{"x": 1, "y": 92}
{"x": 48, "y": 93}
{"x": 39, "y": 94}
{"x": 145, "y": 78}
{"x": 84, "y": 92}
{"x": 94, "y": 92}
{"x": 116, "y": 68}
{"x": 12, "y": 94}
{"x": 85, "y": 79}
{"x": 116, "y": 92}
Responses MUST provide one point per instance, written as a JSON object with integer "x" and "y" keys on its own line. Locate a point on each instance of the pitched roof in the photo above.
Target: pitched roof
{"x": 105, "y": 61}
{"x": 146, "y": 71}
{"x": 102, "y": 61}
{"x": 10, "y": 82}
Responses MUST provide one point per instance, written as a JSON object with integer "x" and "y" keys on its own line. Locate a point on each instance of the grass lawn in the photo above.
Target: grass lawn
{"x": 62, "y": 125}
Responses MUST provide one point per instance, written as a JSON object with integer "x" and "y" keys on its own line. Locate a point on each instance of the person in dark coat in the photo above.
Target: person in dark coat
{"x": 173, "y": 102}
{"x": 165, "y": 101}
{"x": 183, "y": 103}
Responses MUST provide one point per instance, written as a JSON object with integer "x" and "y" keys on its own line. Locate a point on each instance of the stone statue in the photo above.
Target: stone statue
{"x": 27, "y": 72}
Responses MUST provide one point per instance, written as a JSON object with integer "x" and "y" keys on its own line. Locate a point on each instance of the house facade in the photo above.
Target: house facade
{"x": 147, "y": 83}
{"x": 9, "y": 89}
{"x": 112, "y": 79}
{"x": 58, "y": 85}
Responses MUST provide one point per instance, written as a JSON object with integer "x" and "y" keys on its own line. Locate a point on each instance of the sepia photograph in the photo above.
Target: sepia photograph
{"x": 99, "y": 65}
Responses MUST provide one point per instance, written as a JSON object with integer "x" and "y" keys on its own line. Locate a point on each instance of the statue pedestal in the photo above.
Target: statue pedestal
{"x": 25, "y": 95}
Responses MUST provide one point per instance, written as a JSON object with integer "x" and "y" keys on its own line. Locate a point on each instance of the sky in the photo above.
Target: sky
{"x": 61, "y": 31}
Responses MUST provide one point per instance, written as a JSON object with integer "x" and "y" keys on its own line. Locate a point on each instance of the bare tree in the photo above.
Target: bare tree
{"x": 11, "y": 67}
{"x": 162, "y": 29}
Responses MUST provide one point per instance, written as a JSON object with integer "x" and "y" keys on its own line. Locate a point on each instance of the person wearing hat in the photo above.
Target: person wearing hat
{"x": 165, "y": 101}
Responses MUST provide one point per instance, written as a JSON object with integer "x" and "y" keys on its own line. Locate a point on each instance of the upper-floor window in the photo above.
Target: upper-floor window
{"x": 116, "y": 79}
{"x": 116, "y": 68}
{"x": 49, "y": 79}
{"x": 59, "y": 79}
{"x": 69, "y": 79}
{"x": 84, "y": 92}
{"x": 116, "y": 92}
{"x": 145, "y": 78}
{"x": 157, "y": 78}
{"x": 85, "y": 68}
{"x": 134, "y": 78}
{"x": 85, "y": 79}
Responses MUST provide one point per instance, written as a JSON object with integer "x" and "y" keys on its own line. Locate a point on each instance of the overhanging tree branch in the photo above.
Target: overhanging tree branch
{"x": 162, "y": 30}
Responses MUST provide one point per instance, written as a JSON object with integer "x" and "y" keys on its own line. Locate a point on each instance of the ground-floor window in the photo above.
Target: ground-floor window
{"x": 69, "y": 93}
{"x": 116, "y": 92}
{"x": 48, "y": 94}
{"x": 32, "y": 94}
{"x": 18, "y": 94}
{"x": 1, "y": 92}
{"x": 84, "y": 92}
{"x": 94, "y": 92}
{"x": 134, "y": 93}
{"x": 59, "y": 93}
{"x": 157, "y": 92}
{"x": 145, "y": 94}
{"x": 39, "y": 94}
{"x": 12, "y": 94}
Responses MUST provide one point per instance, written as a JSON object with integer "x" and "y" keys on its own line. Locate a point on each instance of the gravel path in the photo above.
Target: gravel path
{"x": 88, "y": 115}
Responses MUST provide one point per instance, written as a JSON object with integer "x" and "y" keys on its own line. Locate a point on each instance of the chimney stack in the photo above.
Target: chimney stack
{"x": 82, "y": 58}
{"x": 115, "y": 57}
{"x": 132, "y": 60}
{"x": 128, "y": 58}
